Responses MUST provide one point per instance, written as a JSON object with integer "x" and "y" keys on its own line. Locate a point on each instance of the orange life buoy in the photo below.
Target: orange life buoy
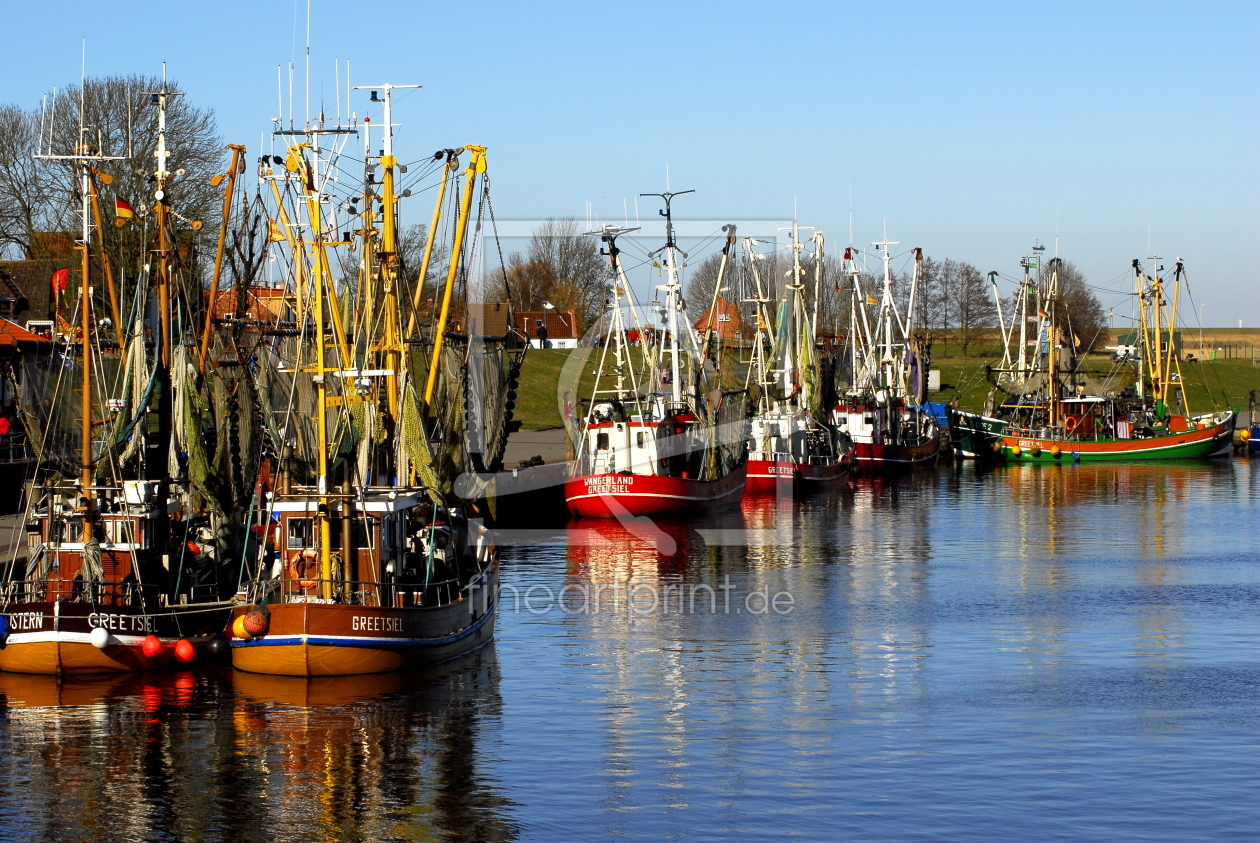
{"x": 301, "y": 565}
{"x": 1070, "y": 423}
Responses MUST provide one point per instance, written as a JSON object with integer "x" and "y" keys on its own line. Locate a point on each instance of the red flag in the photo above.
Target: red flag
{"x": 60, "y": 280}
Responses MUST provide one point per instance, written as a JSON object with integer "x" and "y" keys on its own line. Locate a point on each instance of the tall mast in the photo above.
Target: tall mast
{"x": 886, "y": 312}
{"x": 476, "y": 164}
{"x": 1158, "y": 375}
{"x": 391, "y": 340}
{"x": 85, "y": 307}
{"x": 672, "y": 292}
{"x": 818, "y": 289}
{"x": 83, "y": 157}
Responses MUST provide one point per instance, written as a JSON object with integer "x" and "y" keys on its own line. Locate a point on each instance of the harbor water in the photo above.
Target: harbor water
{"x": 1043, "y": 653}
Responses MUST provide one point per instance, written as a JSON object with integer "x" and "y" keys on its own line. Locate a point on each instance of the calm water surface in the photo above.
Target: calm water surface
{"x": 1037, "y": 654}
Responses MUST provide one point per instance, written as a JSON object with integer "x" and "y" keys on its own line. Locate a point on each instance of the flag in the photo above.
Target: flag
{"x": 871, "y": 299}
{"x": 123, "y": 213}
{"x": 1042, "y": 313}
{"x": 274, "y": 233}
{"x": 60, "y": 280}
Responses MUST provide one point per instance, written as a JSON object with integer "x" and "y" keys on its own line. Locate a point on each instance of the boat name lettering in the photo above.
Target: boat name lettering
{"x": 121, "y": 623}
{"x": 1027, "y": 443}
{"x": 609, "y": 484}
{"x": 377, "y": 624}
{"x": 782, "y": 469}
{"x": 26, "y": 620}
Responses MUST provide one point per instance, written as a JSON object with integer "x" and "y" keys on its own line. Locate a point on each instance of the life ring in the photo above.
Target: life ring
{"x": 1070, "y": 423}
{"x": 301, "y": 565}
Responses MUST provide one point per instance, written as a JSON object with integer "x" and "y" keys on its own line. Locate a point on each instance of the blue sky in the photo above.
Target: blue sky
{"x": 973, "y": 129}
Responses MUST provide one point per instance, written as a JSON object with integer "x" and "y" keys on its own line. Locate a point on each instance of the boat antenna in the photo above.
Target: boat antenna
{"x": 667, "y": 213}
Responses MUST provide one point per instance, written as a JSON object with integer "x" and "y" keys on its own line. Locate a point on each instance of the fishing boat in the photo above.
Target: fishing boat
{"x": 792, "y": 445}
{"x": 369, "y": 562}
{"x": 657, "y": 435}
{"x": 883, "y": 410}
{"x": 123, "y": 571}
{"x": 1051, "y": 415}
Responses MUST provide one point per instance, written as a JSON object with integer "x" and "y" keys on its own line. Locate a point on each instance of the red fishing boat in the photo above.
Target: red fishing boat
{"x": 790, "y": 448}
{"x": 658, "y": 435}
{"x": 883, "y": 411}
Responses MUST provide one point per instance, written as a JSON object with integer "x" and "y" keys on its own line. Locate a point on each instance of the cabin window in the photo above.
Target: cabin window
{"x": 301, "y": 534}
{"x": 118, "y": 531}
{"x": 601, "y": 441}
{"x": 640, "y": 439}
{"x": 363, "y": 532}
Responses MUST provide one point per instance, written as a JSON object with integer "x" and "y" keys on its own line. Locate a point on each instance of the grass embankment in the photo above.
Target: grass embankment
{"x": 537, "y": 397}
{"x": 1209, "y": 384}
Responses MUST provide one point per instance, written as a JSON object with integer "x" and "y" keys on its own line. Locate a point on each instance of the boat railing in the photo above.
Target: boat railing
{"x": 362, "y": 593}
{"x": 14, "y": 447}
{"x": 39, "y": 590}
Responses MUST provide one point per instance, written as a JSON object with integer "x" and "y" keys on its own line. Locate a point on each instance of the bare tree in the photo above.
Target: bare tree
{"x": 117, "y": 117}
{"x": 977, "y": 314}
{"x": 1086, "y": 315}
{"x": 562, "y": 266}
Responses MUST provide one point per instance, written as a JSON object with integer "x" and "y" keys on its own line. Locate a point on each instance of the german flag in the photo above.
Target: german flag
{"x": 123, "y": 213}
{"x": 871, "y": 299}
{"x": 274, "y": 233}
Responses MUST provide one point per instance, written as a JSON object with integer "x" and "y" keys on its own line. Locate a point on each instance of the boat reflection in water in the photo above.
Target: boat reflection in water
{"x": 228, "y": 755}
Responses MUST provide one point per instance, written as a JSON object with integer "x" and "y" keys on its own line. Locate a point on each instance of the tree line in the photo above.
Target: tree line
{"x": 955, "y": 307}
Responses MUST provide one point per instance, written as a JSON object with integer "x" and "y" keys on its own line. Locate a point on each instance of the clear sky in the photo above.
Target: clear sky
{"x": 970, "y": 129}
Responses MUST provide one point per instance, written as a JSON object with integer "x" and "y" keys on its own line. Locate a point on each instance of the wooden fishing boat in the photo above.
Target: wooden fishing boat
{"x": 1181, "y": 438}
{"x": 658, "y": 435}
{"x": 1049, "y": 418}
{"x": 107, "y": 584}
{"x": 356, "y": 576}
{"x": 975, "y": 436}
{"x": 392, "y": 608}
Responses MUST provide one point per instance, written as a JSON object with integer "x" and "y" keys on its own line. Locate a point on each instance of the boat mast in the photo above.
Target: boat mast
{"x": 885, "y": 312}
{"x": 391, "y": 340}
{"x": 83, "y": 157}
{"x": 818, "y": 279}
{"x": 1158, "y": 375}
{"x": 85, "y": 326}
{"x": 672, "y": 292}
{"x": 476, "y": 164}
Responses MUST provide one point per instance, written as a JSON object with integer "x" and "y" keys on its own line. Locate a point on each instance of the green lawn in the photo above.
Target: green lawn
{"x": 1209, "y": 384}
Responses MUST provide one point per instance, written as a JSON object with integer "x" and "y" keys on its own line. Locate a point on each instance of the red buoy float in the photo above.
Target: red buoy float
{"x": 185, "y": 651}
{"x": 152, "y": 646}
{"x": 257, "y": 622}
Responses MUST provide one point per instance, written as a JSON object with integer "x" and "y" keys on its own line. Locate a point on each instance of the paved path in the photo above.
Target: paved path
{"x": 11, "y": 534}
{"x": 548, "y": 444}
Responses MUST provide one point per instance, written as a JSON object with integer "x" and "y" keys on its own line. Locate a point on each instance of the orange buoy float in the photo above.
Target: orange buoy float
{"x": 238, "y": 628}
{"x": 1016, "y": 451}
{"x": 1054, "y": 451}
